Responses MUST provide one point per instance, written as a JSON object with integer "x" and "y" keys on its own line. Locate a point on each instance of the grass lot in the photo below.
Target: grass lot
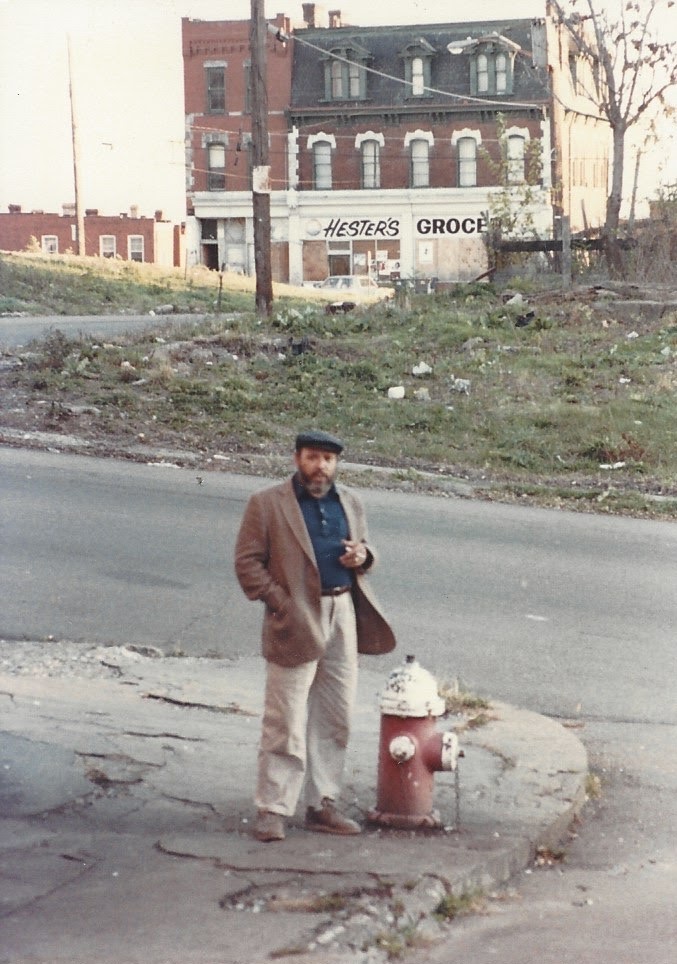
{"x": 550, "y": 400}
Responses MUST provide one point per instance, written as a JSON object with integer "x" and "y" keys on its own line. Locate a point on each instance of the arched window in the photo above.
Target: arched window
{"x": 420, "y": 163}
{"x": 467, "y": 162}
{"x": 482, "y": 74}
{"x": 417, "y": 77}
{"x": 515, "y": 159}
{"x": 336, "y": 72}
{"x": 418, "y": 58}
{"x": 354, "y": 80}
{"x": 501, "y": 64}
{"x": 322, "y": 180}
{"x": 371, "y": 164}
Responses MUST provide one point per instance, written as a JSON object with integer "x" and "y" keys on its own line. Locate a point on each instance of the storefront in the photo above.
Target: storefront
{"x": 396, "y": 234}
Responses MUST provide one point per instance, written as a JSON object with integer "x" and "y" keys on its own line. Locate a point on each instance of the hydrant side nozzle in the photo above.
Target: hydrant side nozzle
{"x": 450, "y": 750}
{"x": 402, "y": 749}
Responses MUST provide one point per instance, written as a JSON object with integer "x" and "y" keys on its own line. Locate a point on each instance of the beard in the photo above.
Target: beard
{"x": 317, "y": 484}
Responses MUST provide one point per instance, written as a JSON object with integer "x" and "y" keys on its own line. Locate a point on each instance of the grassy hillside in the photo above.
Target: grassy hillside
{"x": 562, "y": 401}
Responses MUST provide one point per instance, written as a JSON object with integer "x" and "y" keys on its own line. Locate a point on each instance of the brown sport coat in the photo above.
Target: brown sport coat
{"x": 275, "y": 562}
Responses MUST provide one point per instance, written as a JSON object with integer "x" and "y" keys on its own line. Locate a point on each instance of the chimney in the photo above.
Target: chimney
{"x": 314, "y": 15}
{"x": 15, "y": 209}
{"x": 134, "y": 211}
{"x": 68, "y": 210}
{"x": 334, "y": 19}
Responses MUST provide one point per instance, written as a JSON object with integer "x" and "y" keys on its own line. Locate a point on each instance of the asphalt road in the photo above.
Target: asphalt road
{"x": 528, "y": 605}
{"x": 570, "y": 615}
{"x": 17, "y": 332}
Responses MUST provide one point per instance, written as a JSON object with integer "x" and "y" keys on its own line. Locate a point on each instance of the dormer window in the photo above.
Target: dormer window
{"x": 492, "y": 59}
{"x": 501, "y": 73}
{"x": 482, "y": 73}
{"x": 417, "y": 59}
{"x": 417, "y": 77}
{"x": 344, "y": 75}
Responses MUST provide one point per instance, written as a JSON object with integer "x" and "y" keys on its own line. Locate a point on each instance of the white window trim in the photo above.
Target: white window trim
{"x": 321, "y": 184}
{"x": 419, "y": 164}
{"x": 215, "y": 137}
{"x": 361, "y": 141}
{"x": 137, "y": 237}
{"x": 45, "y": 243}
{"x": 321, "y": 136}
{"x": 419, "y": 135}
{"x": 370, "y": 136}
{"x": 465, "y": 163}
{"x": 519, "y": 132}
{"x": 475, "y": 135}
{"x": 102, "y": 237}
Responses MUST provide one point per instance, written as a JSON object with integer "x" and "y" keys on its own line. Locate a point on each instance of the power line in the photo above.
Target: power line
{"x": 466, "y": 98}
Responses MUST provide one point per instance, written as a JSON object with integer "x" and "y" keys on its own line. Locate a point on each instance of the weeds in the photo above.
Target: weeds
{"x": 593, "y": 786}
{"x": 458, "y": 700}
{"x": 453, "y": 905}
{"x": 569, "y": 410}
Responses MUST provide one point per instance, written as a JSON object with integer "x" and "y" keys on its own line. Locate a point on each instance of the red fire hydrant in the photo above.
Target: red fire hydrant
{"x": 411, "y": 749}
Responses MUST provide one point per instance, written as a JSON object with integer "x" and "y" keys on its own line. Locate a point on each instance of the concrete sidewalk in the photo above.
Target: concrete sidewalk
{"x": 125, "y": 797}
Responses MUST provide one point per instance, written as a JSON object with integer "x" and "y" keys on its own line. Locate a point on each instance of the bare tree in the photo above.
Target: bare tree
{"x": 632, "y": 70}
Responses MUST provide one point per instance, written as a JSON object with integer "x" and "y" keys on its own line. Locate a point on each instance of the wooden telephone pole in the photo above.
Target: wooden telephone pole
{"x": 260, "y": 160}
{"x": 79, "y": 214}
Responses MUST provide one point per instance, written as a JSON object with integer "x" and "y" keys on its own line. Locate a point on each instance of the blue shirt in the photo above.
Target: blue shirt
{"x": 327, "y": 527}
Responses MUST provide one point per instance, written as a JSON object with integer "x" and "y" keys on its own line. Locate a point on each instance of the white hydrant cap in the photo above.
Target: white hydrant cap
{"x": 411, "y": 691}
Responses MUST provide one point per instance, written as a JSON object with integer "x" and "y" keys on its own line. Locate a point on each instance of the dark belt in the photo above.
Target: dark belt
{"x": 336, "y": 591}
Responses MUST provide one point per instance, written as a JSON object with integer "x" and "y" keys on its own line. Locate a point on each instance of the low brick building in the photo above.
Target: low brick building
{"x": 125, "y": 236}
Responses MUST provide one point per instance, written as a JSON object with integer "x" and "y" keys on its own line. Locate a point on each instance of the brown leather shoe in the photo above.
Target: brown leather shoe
{"x": 269, "y": 826}
{"x": 328, "y": 820}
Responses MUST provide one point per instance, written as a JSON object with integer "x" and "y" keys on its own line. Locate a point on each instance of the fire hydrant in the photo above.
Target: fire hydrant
{"x": 411, "y": 749}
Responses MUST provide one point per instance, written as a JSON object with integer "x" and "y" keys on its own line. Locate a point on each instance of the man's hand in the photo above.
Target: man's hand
{"x": 355, "y": 554}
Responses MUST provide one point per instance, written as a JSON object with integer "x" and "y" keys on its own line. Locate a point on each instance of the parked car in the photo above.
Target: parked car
{"x": 355, "y": 287}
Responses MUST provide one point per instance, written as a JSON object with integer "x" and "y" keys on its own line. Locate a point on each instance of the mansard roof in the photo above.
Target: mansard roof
{"x": 450, "y": 72}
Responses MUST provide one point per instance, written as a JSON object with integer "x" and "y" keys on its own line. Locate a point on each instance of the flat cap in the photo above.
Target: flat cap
{"x": 319, "y": 440}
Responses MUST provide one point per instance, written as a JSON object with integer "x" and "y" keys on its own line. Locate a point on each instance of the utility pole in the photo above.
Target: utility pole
{"x": 79, "y": 213}
{"x": 260, "y": 159}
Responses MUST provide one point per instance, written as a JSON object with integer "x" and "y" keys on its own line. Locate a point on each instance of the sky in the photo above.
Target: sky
{"x": 127, "y": 77}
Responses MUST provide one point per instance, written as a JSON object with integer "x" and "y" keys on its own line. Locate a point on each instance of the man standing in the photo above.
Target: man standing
{"x": 303, "y": 551}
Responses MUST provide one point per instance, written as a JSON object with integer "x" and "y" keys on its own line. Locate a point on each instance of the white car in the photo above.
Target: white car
{"x": 354, "y": 287}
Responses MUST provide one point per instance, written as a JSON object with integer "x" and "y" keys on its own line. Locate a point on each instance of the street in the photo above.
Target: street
{"x": 18, "y": 331}
{"x": 568, "y": 615}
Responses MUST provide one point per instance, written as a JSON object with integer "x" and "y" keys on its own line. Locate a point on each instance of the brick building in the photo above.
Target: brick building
{"x": 125, "y": 236}
{"x": 391, "y": 147}
{"x": 217, "y": 88}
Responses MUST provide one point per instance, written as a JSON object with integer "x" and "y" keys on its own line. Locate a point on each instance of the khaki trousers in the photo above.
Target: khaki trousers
{"x": 307, "y": 716}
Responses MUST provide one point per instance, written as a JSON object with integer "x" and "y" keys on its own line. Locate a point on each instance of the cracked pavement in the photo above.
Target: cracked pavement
{"x": 125, "y": 795}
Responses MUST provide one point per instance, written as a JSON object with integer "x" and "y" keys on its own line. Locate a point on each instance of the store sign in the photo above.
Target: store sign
{"x": 354, "y": 229}
{"x": 441, "y": 227}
